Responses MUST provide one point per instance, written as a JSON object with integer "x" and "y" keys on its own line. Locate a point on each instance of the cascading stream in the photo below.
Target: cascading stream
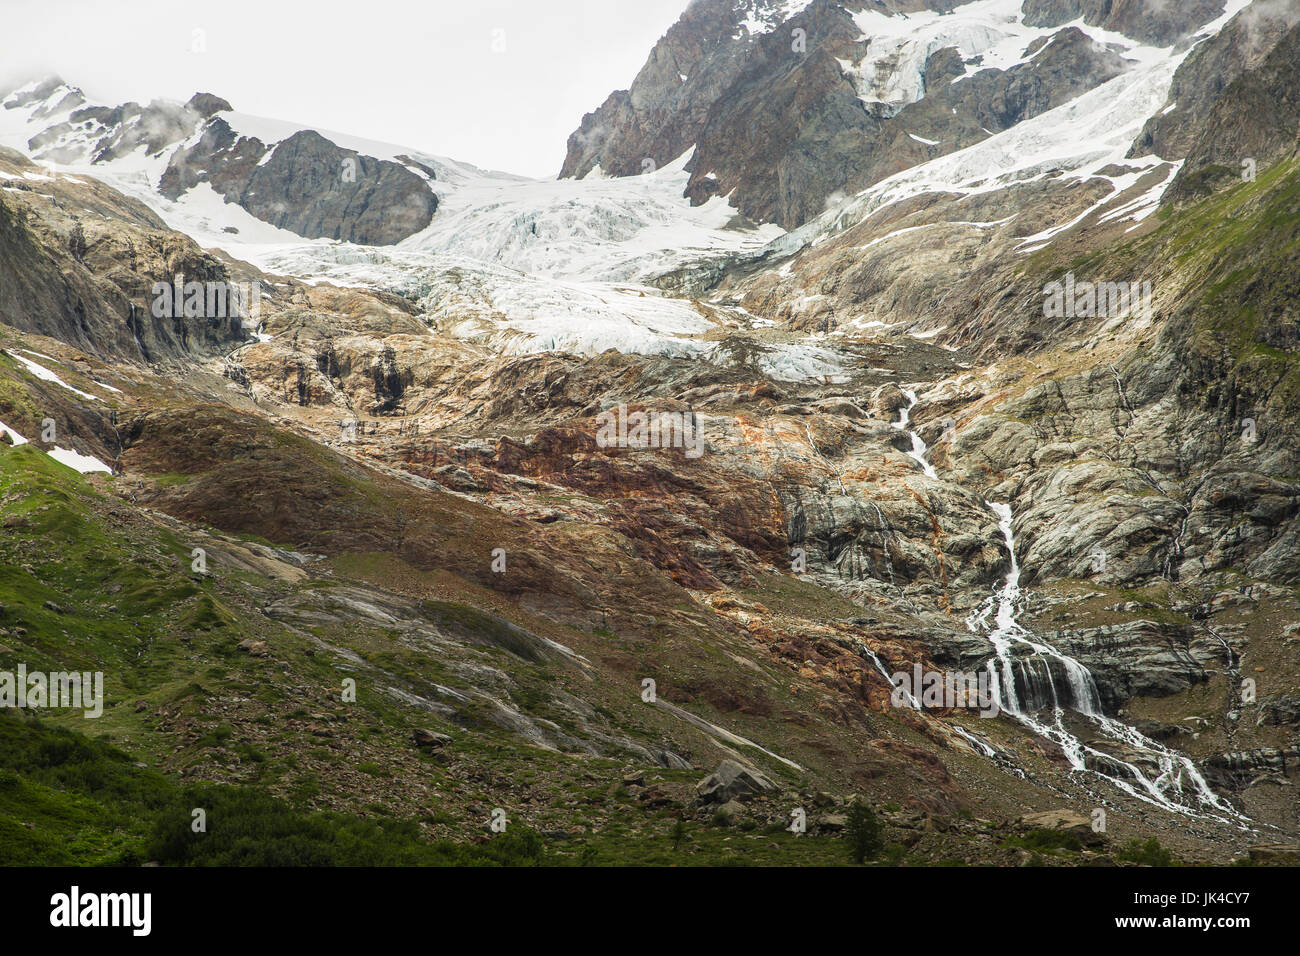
{"x": 1177, "y": 780}
{"x": 1055, "y": 682}
{"x": 919, "y": 447}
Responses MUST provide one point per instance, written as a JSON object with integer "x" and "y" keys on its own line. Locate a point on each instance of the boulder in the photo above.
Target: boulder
{"x": 1067, "y": 820}
{"x": 428, "y": 740}
{"x": 1056, "y": 820}
{"x": 671, "y": 761}
{"x": 657, "y": 798}
{"x": 729, "y": 812}
{"x": 732, "y": 781}
{"x": 1280, "y": 711}
{"x": 832, "y": 823}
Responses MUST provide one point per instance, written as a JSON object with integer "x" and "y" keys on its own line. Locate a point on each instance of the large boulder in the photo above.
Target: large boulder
{"x": 428, "y": 740}
{"x": 732, "y": 781}
{"x": 1066, "y": 820}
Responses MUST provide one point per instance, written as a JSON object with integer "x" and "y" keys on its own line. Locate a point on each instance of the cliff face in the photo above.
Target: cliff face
{"x": 697, "y": 62}
{"x": 827, "y": 143}
{"x": 1157, "y": 23}
{"x": 659, "y": 117}
{"x": 1252, "y": 124}
{"x": 307, "y": 185}
{"x": 1200, "y": 81}
{"x": 78, "y": 263}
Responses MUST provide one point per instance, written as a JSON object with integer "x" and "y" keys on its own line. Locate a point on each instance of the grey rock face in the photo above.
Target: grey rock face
{"x": 104, "y": 133}
{"x": 1240, "y": 768}
{"x": 792, "y": 132}
{"x": 206, "y": 104}
{"x": 961, "y": 108}
{"x": 1254, "y": 121}
{"x": 1154, "y": 21}
{"x": 1281, "y": 711}
{"x": 316, "y": 189}
{"x": 305, "y": 184}
{"x": 87, "y": 279}
{"x": 1201, "y": 80}
{"x": 1140, "y": 658}
{"x": 42, "y": 92}
{"x": 662, "y": 113}
{"x": 220, "y": 157}
{"x": 308, "y": 185}
{"x": 790, "y": 129}
{"x": 689, "y": 70}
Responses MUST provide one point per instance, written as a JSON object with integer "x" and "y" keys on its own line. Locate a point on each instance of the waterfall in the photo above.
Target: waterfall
{"x": 1046, "y": 681}
{"x": 884, "y": 543}
{"x": 918, "y": 446}
{"x": 1038, "y": 685}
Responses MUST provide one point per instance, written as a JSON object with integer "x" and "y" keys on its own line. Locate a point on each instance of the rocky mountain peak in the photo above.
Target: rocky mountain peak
{"x": 205, "y": 104}
{"x": 783, "y": 117}
{"x": 1157, "y": 22}
{"x": 303, "y": 183}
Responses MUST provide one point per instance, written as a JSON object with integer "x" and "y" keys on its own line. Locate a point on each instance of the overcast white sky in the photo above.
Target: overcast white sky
{"x": 420, "y": 74}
